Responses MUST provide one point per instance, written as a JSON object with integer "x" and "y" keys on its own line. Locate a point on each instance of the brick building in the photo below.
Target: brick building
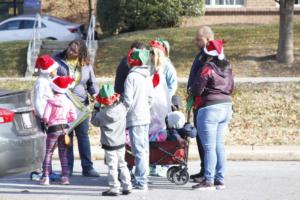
{"x": 240, "y": 11}
{"x": 246, "y": 7}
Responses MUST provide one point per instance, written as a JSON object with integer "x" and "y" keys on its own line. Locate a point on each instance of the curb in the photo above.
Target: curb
{"x": 234, "y": 153}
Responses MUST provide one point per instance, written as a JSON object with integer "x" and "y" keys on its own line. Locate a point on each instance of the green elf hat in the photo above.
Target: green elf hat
{"x": 107, "y": 95}
{"x": 138, "y": 57}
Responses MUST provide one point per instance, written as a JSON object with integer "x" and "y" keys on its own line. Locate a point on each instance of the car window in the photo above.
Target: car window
{"x": 11, "y": 25}
{"x": 14, "y": 100}
{"x": 27, "y": 24}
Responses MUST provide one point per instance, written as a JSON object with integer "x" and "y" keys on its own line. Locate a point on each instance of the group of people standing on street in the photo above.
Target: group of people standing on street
{"x": 139, "y": 102}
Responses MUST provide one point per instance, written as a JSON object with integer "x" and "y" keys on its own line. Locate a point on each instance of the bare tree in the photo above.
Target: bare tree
{"x": 285, "y": 51}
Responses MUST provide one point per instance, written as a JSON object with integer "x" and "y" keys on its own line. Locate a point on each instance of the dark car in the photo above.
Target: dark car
{"x": 21, "y": 140}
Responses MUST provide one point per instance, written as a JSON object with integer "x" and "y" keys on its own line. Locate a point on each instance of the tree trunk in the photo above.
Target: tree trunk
{"x": 285, "y": 51}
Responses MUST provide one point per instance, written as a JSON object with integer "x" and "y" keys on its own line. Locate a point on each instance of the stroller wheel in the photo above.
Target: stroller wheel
{"x": 170, "y": 173}
{"x": 181, "y": 177}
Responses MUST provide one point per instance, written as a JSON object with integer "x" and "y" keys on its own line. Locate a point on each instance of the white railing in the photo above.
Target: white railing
{"x": 91, "y": 43}
{"x": 34, "y": 46}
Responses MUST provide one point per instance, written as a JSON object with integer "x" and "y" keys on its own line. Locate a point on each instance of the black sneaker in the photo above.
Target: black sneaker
{"x": 198, "y": 175}
{"x": 126, "y": 192}
{"x": 204, "y": 185}
{"x": 110, "y": 193}
{"x": 219, "y": 185}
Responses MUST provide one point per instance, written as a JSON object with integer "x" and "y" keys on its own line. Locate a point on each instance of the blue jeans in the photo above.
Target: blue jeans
{"x": 84, "y": 147}
{"x": 140, "y": 148}
{"x": 212, "y": 124}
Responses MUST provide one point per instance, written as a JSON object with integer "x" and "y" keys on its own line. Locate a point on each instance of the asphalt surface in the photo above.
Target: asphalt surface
{"x": 244, "y": 180}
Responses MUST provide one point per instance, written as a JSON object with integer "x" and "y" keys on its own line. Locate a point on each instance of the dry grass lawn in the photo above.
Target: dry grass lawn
{"x": 251, "y": 50}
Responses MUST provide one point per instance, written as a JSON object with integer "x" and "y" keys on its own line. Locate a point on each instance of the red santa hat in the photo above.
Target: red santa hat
{"x": 159, "y": 44}
{"x": 46, "y": 64}
{"x": 215, "y": 48}
{"x": 61, "y": 84}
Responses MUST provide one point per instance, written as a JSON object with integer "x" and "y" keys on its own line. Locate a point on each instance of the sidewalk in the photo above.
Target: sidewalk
{"x": 235, "y": 153}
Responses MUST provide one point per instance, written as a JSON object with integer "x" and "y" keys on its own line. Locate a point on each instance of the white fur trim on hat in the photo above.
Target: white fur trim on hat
{"x": 221, "y": 56}
{"x": 58, "y": 89}
{"x": 176, "y": 119}
{"x": 50, "y": 69}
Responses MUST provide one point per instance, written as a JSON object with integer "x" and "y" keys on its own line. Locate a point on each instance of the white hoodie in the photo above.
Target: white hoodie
{"x": 42, "y": 92}
{"x": 138, "y": 96}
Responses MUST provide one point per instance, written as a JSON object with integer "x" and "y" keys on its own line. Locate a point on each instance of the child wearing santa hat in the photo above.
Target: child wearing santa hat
{"x": 46, "y": 68}
{"x": 42, "y": 91}
{"x": 59, "y": 112}
{"x": 110, "y": 115}
{"x": 137, "y": 99}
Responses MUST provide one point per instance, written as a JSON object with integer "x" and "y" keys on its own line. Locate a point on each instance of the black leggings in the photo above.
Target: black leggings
{"x": 199, "y": 144}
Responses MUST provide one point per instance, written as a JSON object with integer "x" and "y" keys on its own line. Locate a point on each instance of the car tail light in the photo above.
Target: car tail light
{"x": 6, "y": 116}
{"x": 72, "y": 30}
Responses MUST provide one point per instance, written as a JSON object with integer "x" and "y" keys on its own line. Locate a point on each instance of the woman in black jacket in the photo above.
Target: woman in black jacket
{"x": 211, "y": 90}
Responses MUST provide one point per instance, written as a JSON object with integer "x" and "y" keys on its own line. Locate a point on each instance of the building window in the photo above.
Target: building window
{"x": 297, "y": 2}
{"x": 225, "y": 2}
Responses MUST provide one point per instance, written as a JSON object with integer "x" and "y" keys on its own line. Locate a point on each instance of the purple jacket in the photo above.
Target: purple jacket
{"x": 213, "y": 84}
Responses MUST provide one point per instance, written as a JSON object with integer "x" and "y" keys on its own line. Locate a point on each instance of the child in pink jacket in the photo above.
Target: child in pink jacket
{"x": 59, "y": 112}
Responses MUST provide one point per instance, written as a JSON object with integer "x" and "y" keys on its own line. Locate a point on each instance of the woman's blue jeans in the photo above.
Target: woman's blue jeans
{"x": 212, "y": 125}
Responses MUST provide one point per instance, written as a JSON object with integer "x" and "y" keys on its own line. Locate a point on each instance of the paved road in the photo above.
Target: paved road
{"x": 245, "y": 180}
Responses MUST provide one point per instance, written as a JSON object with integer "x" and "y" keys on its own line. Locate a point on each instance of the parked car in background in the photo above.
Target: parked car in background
{"x": 52, "y": 28}
{"x": 21, "y": 140}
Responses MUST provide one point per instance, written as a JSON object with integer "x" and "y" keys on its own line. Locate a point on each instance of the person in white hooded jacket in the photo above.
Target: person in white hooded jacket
{"x": 42, "y": 91}
{"x": 46, "y": 67}
{"x": 137, "y": 100}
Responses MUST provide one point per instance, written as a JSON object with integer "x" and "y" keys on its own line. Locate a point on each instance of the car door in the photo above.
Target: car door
{"x": 26, "y": 27}
{"x": 10, "y": 31}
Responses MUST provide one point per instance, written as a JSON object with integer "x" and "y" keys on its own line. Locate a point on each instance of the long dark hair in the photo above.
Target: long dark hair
{"x": 222, "y": 64}
{"x": 83, "y": 57}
